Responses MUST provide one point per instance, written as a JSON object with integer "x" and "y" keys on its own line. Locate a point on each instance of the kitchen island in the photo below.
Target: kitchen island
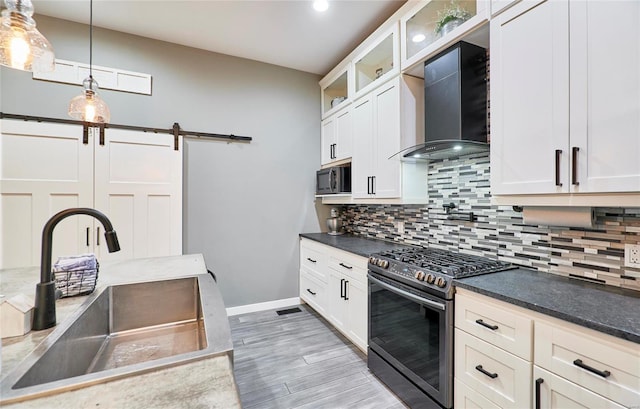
{"x": 204, "y": 383}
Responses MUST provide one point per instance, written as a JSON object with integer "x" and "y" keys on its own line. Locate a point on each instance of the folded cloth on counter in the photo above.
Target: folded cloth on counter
{"x": 76, "y": 275}
{"x": 75, "y": 263}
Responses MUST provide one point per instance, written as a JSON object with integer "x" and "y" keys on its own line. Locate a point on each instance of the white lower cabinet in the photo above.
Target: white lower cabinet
{"x": 596, "y": 362}
{"x": 501, "y": 377}
{"x": 313, "y": 291}
{"x": 554, "y": 392}
{"x": 342, "y": 298}
{"x": 467, "y": 398}
{"x": 561, "y": 365}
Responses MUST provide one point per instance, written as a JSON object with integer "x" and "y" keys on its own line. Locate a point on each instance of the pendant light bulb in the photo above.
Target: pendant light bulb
{"x": 21, "y": 44}
{"x": 88, "y": 106}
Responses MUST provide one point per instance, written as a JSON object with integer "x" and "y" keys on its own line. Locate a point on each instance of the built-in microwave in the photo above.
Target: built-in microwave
{"x": 334, "y": 180}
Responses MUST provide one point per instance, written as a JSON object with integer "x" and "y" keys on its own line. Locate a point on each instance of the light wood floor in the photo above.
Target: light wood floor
{"x": 299, "y": 360}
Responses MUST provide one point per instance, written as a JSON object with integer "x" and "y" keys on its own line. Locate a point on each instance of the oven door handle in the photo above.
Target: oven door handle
{"x": 407, "y": 294}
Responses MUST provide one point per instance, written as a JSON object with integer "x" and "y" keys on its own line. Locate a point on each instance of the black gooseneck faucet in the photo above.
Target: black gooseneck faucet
{"x": 45, "y": 303}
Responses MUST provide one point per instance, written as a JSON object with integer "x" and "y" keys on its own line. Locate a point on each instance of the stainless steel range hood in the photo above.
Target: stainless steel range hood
{"x": 455, "y": 95}
{"x": 442, "y": 149}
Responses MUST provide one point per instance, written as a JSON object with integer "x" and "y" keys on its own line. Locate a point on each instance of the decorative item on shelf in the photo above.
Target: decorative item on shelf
{"x": 334, "y": 224}
{"x": 337, "y": 101}
{"x": 451, "y": 17}
{"x": 88, "y": 106}
{"x": 21, "y": 44}
{"x": 378, "y": 73}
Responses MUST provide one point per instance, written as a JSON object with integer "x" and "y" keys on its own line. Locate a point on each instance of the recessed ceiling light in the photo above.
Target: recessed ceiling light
{"x": 457, "y": 148}
{"x": 417, "y": 155}
{"x": 320, "y": 5}
{"x": 418, "y": 38}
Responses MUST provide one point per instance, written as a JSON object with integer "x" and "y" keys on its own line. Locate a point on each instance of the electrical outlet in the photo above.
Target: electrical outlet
{"x": 632, "y": 255}
{"x": 400, "y": 225}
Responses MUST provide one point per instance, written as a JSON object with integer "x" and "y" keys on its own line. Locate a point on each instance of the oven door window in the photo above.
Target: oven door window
{"x": 412, "y": 337}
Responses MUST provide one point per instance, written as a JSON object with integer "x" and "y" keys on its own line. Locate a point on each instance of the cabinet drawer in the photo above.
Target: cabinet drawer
{"x": 349, "y": 264}
{"x": 313, "y": 257}
{"x": 313, "y": 292}
{"x": 556, "y": 392}
{"x": 501, "y": 377}
{"x": 495, "y": 322}
{"x": 599, "y": 362}
{"x": 466, "y": 398}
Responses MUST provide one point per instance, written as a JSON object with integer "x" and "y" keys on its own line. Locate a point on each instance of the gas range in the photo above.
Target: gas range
{"x": 430, "y": 269}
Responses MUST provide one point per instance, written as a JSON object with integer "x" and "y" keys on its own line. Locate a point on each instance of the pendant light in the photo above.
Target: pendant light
{"x": 21, "y": 44}
{"x": 88, "y": 106}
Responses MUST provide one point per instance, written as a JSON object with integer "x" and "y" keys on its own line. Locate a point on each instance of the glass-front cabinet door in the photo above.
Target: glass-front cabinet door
{"x": 433, "y": 24}
{"x": 377, "y": 63}
{"x": 335, "y": 91}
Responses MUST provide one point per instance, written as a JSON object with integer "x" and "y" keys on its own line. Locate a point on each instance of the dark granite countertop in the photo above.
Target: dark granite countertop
{"x": 614, "y": 311}
{"x": 353, "y": 244}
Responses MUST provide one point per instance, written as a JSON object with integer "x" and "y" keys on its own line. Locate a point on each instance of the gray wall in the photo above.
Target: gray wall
{"x": 244, "y": 204}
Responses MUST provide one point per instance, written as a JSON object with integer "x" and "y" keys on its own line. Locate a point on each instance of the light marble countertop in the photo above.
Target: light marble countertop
{"x": 206, "y": 383}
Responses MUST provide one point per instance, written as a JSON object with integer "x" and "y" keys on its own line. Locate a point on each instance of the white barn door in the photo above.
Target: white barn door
{"x": 138, "y": 185}
{"x": 44, "y": 168}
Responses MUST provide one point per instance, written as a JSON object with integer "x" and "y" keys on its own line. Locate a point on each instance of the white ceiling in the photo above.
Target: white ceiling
{"x": 288, "y": 33}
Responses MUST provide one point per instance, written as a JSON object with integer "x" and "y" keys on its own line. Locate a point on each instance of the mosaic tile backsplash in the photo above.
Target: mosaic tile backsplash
{"x": 595, "y": 254}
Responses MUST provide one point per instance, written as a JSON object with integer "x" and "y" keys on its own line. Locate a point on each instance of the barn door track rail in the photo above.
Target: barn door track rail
{"x": 175, "y": 130}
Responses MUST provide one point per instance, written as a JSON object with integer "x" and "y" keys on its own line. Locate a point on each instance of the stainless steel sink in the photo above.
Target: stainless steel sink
{"x": 123, "y": 331}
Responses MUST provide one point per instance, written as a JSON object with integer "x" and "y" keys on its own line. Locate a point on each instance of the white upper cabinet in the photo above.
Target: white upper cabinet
{"x": 605, "y": 95}
{"x": 565, "y": 100}
{"x": 429, "y": 26}
{"x": 336, "y": 137}
{"x": 529, "y": 98}
{"x": 377, "y": 63}
{"x": 376, "y": 126}
{"x": 385, "y": 121}
{"x": 498, "y": 6}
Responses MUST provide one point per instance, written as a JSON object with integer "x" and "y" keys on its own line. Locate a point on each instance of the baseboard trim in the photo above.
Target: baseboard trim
{"x": 263, "y": 306}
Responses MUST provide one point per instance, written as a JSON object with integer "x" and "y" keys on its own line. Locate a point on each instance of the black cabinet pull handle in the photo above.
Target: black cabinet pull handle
{"x": 346, "y": 266}
{"x": 87, "y": 237}
{"x": 604, "y": 374}
{"x": 574, "y": 166}
{"x": 539, "y": 381}
{"x": 368, "y": 185}
{"x": 333, "y": 179}
{"x": 342, "y": 288}
{"x": 373, "y": 185}
{"x": 311, "y": 260}
{"x": 484, "y": 324}
{"x": 311, "y": 292}
{"x": 346, "y": 296}
{"x": 97, "y": 236}
{"x": 484, "y": 371}
{"x": 558, "y": 154}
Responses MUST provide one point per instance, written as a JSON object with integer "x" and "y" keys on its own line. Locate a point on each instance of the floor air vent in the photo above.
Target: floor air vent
{"x": 289, "y": 311}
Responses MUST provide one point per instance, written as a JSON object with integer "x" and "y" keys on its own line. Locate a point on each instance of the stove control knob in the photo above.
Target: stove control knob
{"x": 429, "y": 278}
{"x": 373, "y": 260}
{"x": 441, "y": 282}
{"x": 383, "y": 263}
{"x": 419, "y": 275}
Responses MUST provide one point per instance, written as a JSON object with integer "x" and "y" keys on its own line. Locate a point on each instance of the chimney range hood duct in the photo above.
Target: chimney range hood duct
{"x": 455, "y": 93}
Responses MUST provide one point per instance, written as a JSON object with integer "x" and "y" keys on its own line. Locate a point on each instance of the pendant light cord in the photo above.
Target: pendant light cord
{"x": 91, "y": 41}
